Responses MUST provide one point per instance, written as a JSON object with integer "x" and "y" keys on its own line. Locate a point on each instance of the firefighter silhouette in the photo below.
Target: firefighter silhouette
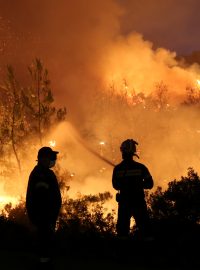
{"x": 43, "y": 200}
{"x": 130, "y": 178}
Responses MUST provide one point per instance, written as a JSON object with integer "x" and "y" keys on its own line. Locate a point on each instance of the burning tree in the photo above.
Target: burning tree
{"x": 160, "y": 96}
{"x": 192, "y": 96}
{"x": 27, "y": 114}
{"x": 12, "y": 129}
{"x": 40, "y": 100}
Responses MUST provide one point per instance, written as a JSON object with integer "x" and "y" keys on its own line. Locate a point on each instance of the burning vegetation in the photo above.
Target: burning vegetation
{"x": 168, "y": 135}
{"x": 27, "y": 115}
{"x": 165, "y": 128}
{"x": 114, "y": 87}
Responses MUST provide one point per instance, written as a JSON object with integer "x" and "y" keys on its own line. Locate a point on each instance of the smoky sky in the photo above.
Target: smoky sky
{"x": 85, "y": 43}
{"x": 72, "y": 37}
{"x": 69, "y": 36}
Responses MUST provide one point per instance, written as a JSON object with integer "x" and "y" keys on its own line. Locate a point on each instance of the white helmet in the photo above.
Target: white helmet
{"x": 129, "y": 147}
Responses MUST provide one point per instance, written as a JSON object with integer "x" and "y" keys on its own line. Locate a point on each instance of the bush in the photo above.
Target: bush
{"x": 181, "y": 200}
{"x": 86, "y": 215}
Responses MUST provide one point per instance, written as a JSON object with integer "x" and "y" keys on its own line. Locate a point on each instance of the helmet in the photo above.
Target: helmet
{"x": 128, "y": 147}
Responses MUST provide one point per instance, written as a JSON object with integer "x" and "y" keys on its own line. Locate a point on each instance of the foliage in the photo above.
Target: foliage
{"x": 86, "y": 215}
{"x": 16, "y": 214}
{"x": 82, "y": 216}
{"x": 26, "y": 113}
{"x": 13, "y": 120}
{"x": 160, "y": 96}
{"x": 181, "y": 201}
{"x": 175, "y": 210}
{"x": 192, "y": 96}
{"x": 64, "y": 177}
{"x": 39, "y": 101}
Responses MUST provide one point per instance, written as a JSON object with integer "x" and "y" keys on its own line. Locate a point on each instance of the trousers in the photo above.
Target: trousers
{"x": 137, "y": 210}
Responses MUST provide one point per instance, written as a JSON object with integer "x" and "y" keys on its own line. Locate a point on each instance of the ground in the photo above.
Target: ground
{"x": 112, "y": 254}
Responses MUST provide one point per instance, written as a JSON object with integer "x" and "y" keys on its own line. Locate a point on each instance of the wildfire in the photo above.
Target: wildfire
{"x": 8, "y": 199}
{"x": 102, "y": 169}
{"x": 198, "y": 82}
{"x": 52, "y": 143}
{"x": 102, "y": 143}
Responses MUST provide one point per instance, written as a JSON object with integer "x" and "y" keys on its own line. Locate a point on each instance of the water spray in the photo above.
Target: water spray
{"x": 80, "y": 140}
{"x": 87, "y": 147}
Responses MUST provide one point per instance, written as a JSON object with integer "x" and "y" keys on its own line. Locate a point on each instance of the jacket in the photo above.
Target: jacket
{"x": 43, "y": 198}
{"x": 131, "y": 178}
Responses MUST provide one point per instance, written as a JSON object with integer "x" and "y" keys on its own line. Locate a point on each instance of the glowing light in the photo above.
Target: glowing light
{"x": 198, "y": 82}
{"x": 72, "y": 174}
{"x": 102, "y": 169}
{"x": 102, "y": 143}
{"x": 7, "y": 199}
{"x": 52, "y": 143}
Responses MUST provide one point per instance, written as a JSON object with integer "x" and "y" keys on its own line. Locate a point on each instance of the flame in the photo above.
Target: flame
{"x": 198, "y": 82}
{"x": 52, "y": 143}
{"x": 8, "y": 199}
{"x": 102, "y": 143}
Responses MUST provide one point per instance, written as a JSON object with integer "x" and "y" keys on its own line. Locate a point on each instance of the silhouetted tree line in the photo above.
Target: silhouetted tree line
{"x": 181, "y": 200}
{"x": 174, "y": 212}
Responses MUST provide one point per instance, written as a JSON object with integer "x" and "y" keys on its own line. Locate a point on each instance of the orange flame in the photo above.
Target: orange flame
{"x": 52, "y": 143}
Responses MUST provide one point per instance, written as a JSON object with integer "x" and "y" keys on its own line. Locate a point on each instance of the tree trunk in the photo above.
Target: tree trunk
{"x": 39, "y": 108}
{"x": 13, "y": 141}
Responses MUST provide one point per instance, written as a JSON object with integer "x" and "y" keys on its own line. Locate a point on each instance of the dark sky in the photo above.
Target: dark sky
{"x": 173, "y": 24}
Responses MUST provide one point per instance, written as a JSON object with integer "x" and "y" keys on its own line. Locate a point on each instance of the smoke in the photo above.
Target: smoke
{"x": 134, "y": 61}
{"x": 83, "y": 45}
{"x": 70, "y": 37}
{"x": 83, "y": 159}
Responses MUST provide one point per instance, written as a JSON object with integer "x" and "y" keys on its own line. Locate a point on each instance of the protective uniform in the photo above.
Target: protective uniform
{"x": 130, "y": 178}
{"x": 43, "y": 201}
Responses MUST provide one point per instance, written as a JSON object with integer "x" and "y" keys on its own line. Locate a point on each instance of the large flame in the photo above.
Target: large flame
{"x": 132, "y": 66}
{"x": 97, "y": 56}
{"x": 8, "y": 199}
{"x": 198, "y": 82}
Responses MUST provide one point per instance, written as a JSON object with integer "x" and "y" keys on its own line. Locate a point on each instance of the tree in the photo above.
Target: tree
{"x": 14, "y": 113}
{"x": 160, "y": 97}
{"x": 26, "y": 114}
{"x": 192, "y": 96}
{"x": 39, "y": 100}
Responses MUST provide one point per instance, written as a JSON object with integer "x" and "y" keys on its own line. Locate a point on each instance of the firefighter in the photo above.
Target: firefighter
{"x": 130, "y": 178}
{"x": 43, "y": 200}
